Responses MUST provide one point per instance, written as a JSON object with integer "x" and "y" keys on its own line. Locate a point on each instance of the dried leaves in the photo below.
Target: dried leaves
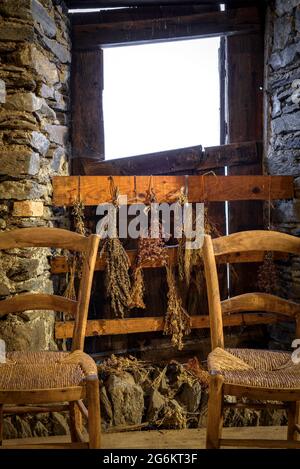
{"x": 177, "y": 321}
{"x": 117, "y": 281}
{"x": 267, "y": 279}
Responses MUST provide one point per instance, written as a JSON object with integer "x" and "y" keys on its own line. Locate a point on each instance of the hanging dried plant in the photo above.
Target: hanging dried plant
{"x": 267, "y": 279}
{"x": 149, "y": 250}
{"x": 177, "y": 321}
{"x": 138, "y": 289}
{"x": 70, "y": 291}
{"x": 117, "y": 280}
{"x": 78, "y": 217}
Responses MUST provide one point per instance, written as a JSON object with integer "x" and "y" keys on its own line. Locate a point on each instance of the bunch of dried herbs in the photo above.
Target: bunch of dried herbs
{"x": 150, "y": 250}
{"x": 177, "y": 320}
{"x": 267, "y": 279}
{"x": 117, "y": 280}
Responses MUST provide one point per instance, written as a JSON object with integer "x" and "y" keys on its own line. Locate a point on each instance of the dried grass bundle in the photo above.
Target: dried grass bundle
{"x": 117, "y": 280}
{"x": 177, "y": 321}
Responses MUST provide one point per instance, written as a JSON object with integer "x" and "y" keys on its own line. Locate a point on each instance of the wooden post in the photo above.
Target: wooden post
{"x": 244, "y": 61}
{"x": 87, "y": 112}
{"x": 215, "y": 310}
{"x": 215, "y": 412}
{"x": 94, "y": 420}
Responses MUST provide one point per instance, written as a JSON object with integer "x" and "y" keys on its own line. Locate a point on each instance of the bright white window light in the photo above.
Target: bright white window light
{"x": 161, "y": 96}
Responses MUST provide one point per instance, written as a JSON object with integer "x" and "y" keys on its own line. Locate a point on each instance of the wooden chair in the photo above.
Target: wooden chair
{"x": 29, "y": 380}
{"x": 253, "y": 374}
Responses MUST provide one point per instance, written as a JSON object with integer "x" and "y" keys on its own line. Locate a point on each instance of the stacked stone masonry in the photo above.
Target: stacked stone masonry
{"x": 35, "y": 56}
{"x": 282, "y": 154}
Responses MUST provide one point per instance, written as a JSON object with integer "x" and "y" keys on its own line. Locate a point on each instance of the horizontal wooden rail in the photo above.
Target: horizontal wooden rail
{"x": 95, "y": 327}
{"x": 95, "y": 190}
{"x": 60, "y": 265}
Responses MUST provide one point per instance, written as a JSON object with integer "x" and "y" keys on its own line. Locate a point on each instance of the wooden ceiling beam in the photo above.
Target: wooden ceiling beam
{"x": 241, "y": 20}
{"x": 73, "y": 4}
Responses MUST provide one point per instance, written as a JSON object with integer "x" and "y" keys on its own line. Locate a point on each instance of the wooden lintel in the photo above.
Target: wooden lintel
{"x": 60, "y": 265}
{"x": 240, "y": 20}
{"x": 95, "y": 190}
{"x": 140, "y": 3}
{"x": 96, "y": 327}
{"x": 183, "y": 160}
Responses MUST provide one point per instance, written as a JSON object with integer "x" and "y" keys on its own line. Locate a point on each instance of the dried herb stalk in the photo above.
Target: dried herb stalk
{"x": 177, "y": 321}
{"x": 117, "y": 280}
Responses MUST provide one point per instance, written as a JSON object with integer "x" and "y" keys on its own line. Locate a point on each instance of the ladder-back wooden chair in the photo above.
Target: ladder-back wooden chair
{"x": 33, "y": 381}
{"x": 253, "y": 374}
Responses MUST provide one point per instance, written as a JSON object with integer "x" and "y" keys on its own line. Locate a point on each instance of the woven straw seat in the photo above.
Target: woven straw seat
{"x": 250, "y": 367}
{"x": 44, "y": 370}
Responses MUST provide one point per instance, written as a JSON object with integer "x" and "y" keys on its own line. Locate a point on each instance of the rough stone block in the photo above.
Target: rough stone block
{"x": 41, "y": 16}
{"x": 18, "y": 160}
{"x": 59, "y": 50}
{"x": 286, "y": 57}
{"x": 57, "y": 133}
{"x": 16, "y": 9}
{"x": 32, "y": 57}
{"x": 21, "y": 190}
{"x": 46, "y": 91}
{"x": 13, "y": 120}
{"x": 2, "y": 91}
{"x": 286, "y": 123}
{"x": 10, "y": 31}
{"x": 282, "y": 30}
{"x": 24, "y": 102}
{"x": 28, "y": 208}
{"x": 28, "y": 335}
{"x": 127, "y": 399}
{"x": 285, "y": 6}
{"x": 40, "y": 142}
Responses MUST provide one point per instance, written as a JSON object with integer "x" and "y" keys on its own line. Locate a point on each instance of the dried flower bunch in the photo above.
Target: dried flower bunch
{"x": 177, "y": 321}
{"x": 149, "y": 250}
{"x": 117, "y": 280}
{"x": 267, "y": 279}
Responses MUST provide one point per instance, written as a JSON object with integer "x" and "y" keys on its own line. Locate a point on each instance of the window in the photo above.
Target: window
{"x": 161, "y": 96}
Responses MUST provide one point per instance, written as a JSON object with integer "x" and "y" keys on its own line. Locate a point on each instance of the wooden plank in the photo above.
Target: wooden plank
{"x": 161, "y": 29}
{"x": 102, "y": 327}
{"x": 87, "y": 112}
{"x": 174, "y": 161}
{"x": 95, "y": 190}
{"x": 60, "y": 265}
{"x": 153, "y": 163}
{"x": 138, "y": 3}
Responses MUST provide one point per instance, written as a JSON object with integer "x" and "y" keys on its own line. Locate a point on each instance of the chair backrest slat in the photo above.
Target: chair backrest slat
{"x": 247, "y": 241}
{"x": 256, "y": 240}
{"x": 260, "y": 302}
{"x": 61, "y": 239}
{"x": 43, "y": 237}
{"x": 36, "y": 301}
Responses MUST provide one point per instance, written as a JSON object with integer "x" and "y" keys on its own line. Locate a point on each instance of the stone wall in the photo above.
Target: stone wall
{"x": 34, "y": 146}
{"x": 282, "y": 154}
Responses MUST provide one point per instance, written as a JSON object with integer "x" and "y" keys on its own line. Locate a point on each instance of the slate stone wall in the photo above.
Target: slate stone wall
{"x": 282, "y": 154}
{"x": 34, "y": 146}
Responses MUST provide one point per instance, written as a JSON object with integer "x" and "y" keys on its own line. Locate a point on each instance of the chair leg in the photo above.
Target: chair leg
{"x": 75, "y": 422}
{"x": 215, "y": 412}
{"x": 94, "y": 419}
{"x": 1, "y": 424}
{"x": 293, "y": 419}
